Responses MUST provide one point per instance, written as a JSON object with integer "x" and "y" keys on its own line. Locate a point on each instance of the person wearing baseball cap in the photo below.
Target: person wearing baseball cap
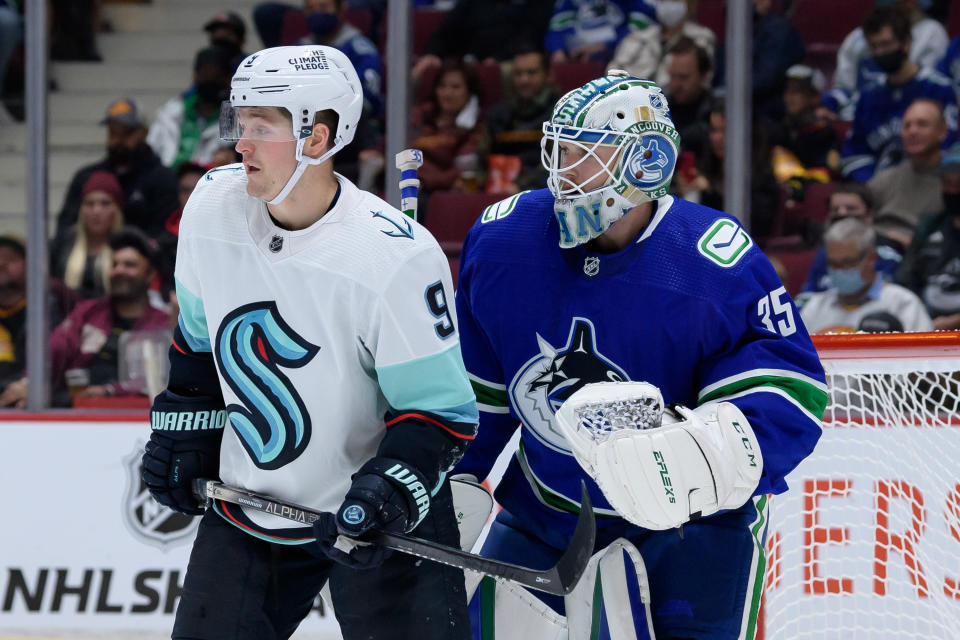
{"x": 149, "y": 188}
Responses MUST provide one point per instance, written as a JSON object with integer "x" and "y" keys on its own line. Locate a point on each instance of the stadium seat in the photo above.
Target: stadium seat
{"x": 488, "y": 79}
{"x": 823, "y": 24}
{"x": 454, "y": 262}
{"x": 362, "y": 19}
{"x": 294, "y": 27}
{"x": 841, "y": 128}
{"x": 450, "y": 215}
{"x": 295, "y": 24}
{"x": 570, "y": 75}
{"x": 425, "y": 22}
{"x": 816, "y": 200}
{"x": 713, "y": 15}
{"x": 797, "y": 263}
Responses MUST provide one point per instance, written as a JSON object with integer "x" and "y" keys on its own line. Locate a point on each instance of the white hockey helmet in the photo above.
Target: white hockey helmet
{"x": 303, "y": 80}
{"x": 630, "y": 117}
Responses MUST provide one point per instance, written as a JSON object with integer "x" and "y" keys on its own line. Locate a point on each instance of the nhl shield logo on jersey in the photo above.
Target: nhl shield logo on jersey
{"x": 147, "y": 520}
{"x": 553, "y": 375}
{"x": 591, "y": 265}
{"x": 276, "y": 244}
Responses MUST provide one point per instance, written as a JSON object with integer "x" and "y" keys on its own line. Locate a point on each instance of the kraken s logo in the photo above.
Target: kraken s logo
{"x": 253, "y": 343}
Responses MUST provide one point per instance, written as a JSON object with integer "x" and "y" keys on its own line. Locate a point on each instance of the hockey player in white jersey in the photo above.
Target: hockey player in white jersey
{"x": 316, "y": 360}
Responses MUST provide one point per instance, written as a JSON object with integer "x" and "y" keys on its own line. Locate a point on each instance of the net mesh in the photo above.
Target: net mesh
{"x": 600, "y": 419}
{"x": 866, "y": 544}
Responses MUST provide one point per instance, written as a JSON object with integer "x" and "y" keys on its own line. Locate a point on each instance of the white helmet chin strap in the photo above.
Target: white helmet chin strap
{"x": 302, "y": 163}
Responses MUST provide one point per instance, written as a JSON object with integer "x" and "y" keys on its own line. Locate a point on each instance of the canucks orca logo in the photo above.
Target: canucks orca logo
{"x": 253, "y": 343}
{"x": 652, "y": 163}
{"x": 546, "y": 380}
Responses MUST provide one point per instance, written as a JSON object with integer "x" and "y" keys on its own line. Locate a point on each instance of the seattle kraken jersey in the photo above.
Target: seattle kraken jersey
{"x": 692, "y": 307}
{"x": 316, "y": 333}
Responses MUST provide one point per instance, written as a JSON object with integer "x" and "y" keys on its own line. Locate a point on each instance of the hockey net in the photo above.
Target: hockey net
{"x": 866, "y": 544}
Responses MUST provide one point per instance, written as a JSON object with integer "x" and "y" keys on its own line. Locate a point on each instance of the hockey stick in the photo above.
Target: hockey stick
{"x": 559, "y": 579}
{"x": 408, "y": 161}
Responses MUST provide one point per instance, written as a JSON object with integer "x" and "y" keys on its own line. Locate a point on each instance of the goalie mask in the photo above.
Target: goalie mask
{"x": 303, "y": 80}
{"x": 615, "y": 133}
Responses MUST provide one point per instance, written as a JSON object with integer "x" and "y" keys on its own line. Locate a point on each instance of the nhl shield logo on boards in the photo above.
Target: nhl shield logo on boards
{"x": 147, "y": 520}
{"x": 276, "y": 243}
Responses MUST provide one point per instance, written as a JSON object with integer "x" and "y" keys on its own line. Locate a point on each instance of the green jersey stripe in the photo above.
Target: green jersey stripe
{"x": 551, "y": 498}
{"x": 812, "y": 397}
{"x": 487, "y": 395}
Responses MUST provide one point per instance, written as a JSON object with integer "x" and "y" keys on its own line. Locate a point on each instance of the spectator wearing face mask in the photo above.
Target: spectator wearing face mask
{"x": 328, "y": 26}
{"x": 931, "y": 267}
{"x": 874, "y": 141}
{"x": 582, "y": 30}
{"x": 149, "y": 188}
{"x": 854, "y": 200}
{"x": 228, "y": 31}
{"x": 856, "y": 293}
{"x": 647, "y": 53}
{"x": 856, "y": 70}
{"x": 187, "y": 128}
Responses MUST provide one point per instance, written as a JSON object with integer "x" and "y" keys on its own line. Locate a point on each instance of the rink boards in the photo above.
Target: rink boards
{"x": 84, "y": 547}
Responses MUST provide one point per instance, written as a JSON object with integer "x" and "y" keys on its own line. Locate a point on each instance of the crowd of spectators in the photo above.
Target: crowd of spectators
{"x": 871, "y": 130}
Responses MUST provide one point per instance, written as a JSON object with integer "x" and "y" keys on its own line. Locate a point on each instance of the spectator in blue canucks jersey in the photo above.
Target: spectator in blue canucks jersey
{"x": 483, "y": 31}
{"x": 949, "y": 64}
{"x": 873, "y": 142}
{"x": 856, "y": 71}
{"x": 328, "y": 26}
{"x": 584, "y": 30}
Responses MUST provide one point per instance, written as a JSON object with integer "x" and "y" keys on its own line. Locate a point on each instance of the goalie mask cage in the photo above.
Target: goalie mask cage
{"x": 866, "y": 544}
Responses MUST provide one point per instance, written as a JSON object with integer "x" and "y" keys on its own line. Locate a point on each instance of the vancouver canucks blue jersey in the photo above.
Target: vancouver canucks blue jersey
{"x": 692, "y": 307}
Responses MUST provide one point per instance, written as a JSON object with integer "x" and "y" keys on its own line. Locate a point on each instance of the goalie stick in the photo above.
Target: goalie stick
{"x": 559, "y": 579}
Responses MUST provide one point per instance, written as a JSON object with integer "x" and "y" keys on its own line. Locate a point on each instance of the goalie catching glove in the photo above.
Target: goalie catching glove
{"x": 660, "y": 469}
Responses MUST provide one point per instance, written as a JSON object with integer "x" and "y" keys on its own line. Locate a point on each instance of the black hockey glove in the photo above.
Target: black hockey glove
{"x": 386, "y": 494}
{"x": 184, "y": 445}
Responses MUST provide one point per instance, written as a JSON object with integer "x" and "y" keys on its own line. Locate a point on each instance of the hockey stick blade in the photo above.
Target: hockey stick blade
{"x": 559, "y": 579}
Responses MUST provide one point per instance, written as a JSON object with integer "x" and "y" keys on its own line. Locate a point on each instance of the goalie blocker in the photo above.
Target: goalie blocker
{"x": 661, "y": 468}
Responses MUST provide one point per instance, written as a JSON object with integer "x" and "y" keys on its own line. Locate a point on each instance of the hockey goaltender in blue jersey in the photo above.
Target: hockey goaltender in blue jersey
{"x": 692, "y": 306}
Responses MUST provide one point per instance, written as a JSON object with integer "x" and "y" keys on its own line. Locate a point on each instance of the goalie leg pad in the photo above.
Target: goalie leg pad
{"x": 613, "y": 596}
{"x": 696, "y": 463}
{"x": 512, "y": 611}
